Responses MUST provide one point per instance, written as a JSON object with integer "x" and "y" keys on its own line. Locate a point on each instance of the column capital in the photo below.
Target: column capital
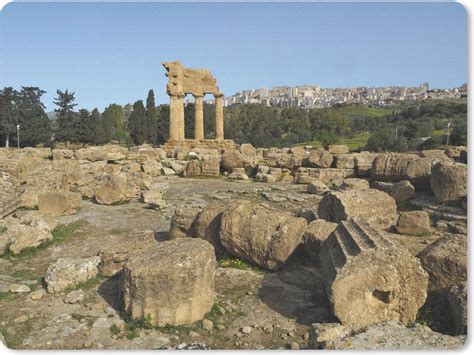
{"x": 198, "y": 95}
{"x": 218, "y": 94}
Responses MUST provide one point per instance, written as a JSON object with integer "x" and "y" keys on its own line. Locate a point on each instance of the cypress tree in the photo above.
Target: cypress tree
{"x": 151, "y": 119}
{"x": 137, "y": 123}
{"x": 65, "y": 114}
{"x": 98, "y": 135}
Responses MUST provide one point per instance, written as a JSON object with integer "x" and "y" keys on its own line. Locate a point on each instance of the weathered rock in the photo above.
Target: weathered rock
{"x": 445, "y": 260}
{"x": 208, "y": 223}
{"x": 260, "y": 234}
{"x": 316, "y": 187}
{"x": 321, "y": 334}
{"x": 182, "y": 222}
{"x": 19, "y": 288}
{"x": 152, "y": 167}
{"x": 28, "y": 231}
{"x": 363, "y": 163}
{"x": 112, "y": 258}
{"x": 75, "y": 296}
{"x": 402, "y": 191}
{"x": 413, "y": 223}
{"x": 393, "y": 335}
{"x": 59, "y": 203}
{"x": 369, "y": 280}
{"x": 154, "y": 197}
{"x": 115, "y": 188}
{"x": 171, "y": 284}
{"x": 397, "y": 167}
{"x": 232, "y": 159}
{"x": 206, "y": 167}
{"x": 449, "y": 181}
{"x": 325, "y": 175}
{"x": 354, "y": 184}
{"x": 457, "y": 300}
{"x": 319, "y": 158}
{"x": 66, "y": 272}
{"x": 434, "y": 153}
{"x": 248, "y": 149}
{"x": 343, "y": 161}
{"x": 337, "y": 149}
{"x": 314, "y": 236}
{"x": 373, "y": 206}
{"x": 238, "y": 174}
{"x": 38, "y": 294}
{"x": 301, "y": 151}
{"x": 62, "y": 154}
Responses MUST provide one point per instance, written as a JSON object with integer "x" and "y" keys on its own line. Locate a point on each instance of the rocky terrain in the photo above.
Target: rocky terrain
{"x": 197, "y": 248}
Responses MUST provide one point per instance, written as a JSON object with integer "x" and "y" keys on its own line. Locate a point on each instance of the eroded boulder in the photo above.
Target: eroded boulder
{"x": 59, "y": 203}
{"x": 449, "y": 181}
{"x": 314, "y": 236}
{"x": 413, "y": 223}
{"x": 182, "y": 222}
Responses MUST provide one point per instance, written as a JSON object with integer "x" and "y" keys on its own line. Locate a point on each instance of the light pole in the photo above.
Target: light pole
{"x": 447, "y": 135}
{"x": 18, "y": 135}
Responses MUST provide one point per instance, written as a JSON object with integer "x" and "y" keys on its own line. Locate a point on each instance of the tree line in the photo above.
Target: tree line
{"x": 144, "y": 122}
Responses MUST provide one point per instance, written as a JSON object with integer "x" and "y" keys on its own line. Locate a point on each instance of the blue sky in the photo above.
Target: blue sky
{"x": 111, "y": 52}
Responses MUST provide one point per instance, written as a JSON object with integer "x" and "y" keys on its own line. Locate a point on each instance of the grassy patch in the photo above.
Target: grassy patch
{"x": 3, "y": 229}
{"x": 358, "y": 141}
{"x": 60, "y": 234}
{"x": 85, "y": 285}
{"x": 4, "y": 295}
{"x": 365, "y": 111}
{"x": 116, "y": 231}
{"x": 438, "y": 132}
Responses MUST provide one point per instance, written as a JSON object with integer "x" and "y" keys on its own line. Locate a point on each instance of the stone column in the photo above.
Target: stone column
{"x": 181, "y": 117}
{"x": 219, "y": 116}
{"x": 175, "y": 104}
{"x": 198, "y": 117}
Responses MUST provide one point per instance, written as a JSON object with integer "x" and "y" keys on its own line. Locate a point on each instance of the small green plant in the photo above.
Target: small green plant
{"x": 3, "y": 229}
{"x": 233, "y": 263}
{"x": 116, "y": 231}
{"x": 85, "y": 285}
{"x": 3, "y": 295}
{"x": 115, "y": 330}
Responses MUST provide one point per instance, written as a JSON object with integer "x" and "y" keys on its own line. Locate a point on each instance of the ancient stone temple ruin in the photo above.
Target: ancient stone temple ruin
{"x": 197, "y": 82}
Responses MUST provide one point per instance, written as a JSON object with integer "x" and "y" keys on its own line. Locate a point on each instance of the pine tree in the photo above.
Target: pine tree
{"x": 66, "y": 116}
{"x": 34, "y": 124}
{"x": 151, "y": 119}
{"x": 113, "y": 119}
{"x": 137, "y": 123}
{"x": 8, "y": 114}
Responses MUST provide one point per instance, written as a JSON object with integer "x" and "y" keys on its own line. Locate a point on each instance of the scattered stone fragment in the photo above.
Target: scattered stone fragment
{"x": 392, "y": 335}
{"x": 354, "y": 183}
{"x": 19, "y": 288}
{"x": 207, "y": 324}
{"x": 38, "y": 294}
{"x": 66, "y": 272}
{"x": 21, "y": 319}
{"x": 75, "y": 296}
{"x": 246, "y": 329}
{"x": 413, "y": 223}
{"x": 172, "y": 283}
{"x": 182, "y": 222}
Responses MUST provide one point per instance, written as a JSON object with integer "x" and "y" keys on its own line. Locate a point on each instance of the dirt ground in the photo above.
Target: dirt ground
{"x": 254, "y": 309}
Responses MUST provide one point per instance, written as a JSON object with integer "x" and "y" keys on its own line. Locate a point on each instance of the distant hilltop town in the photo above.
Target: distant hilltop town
{"x": 313, "y": 96}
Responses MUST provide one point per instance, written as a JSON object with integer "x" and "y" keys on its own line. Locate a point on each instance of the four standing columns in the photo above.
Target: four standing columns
{"x": 177, "y": 117}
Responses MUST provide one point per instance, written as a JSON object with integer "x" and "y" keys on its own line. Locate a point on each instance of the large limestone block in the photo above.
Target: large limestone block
{"x": 396, "y": 167}
{"x": 260, "y": 234}
{"x": 344, "y": 161}
{"x": 319, "y": 158}
{"x": 363, "y": 163}
{"x": 373, "y": 206}
{"x": 445, "y": 260}
{"x": 449, "y": 181}
{"x": 314, "y": 236}
{"x": 338, "y": 149}
{"x": 66, "y": 272}
{"x": 457, "y": 300}
{"x": 232, "y": 159}
{"x": 248, "y": 149}
{"x": 59, "y": 203}
{"x": 62, "y": 154}
{"x": 325, "y": 175}
{"x": 369, "y": 280}
{"x": 208, "y": 223}
{"x": 182, "y": 222}
{"x": 115, "y": 188}
{"x": 112, "y": 258}
{"x": 170, "y": 284}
